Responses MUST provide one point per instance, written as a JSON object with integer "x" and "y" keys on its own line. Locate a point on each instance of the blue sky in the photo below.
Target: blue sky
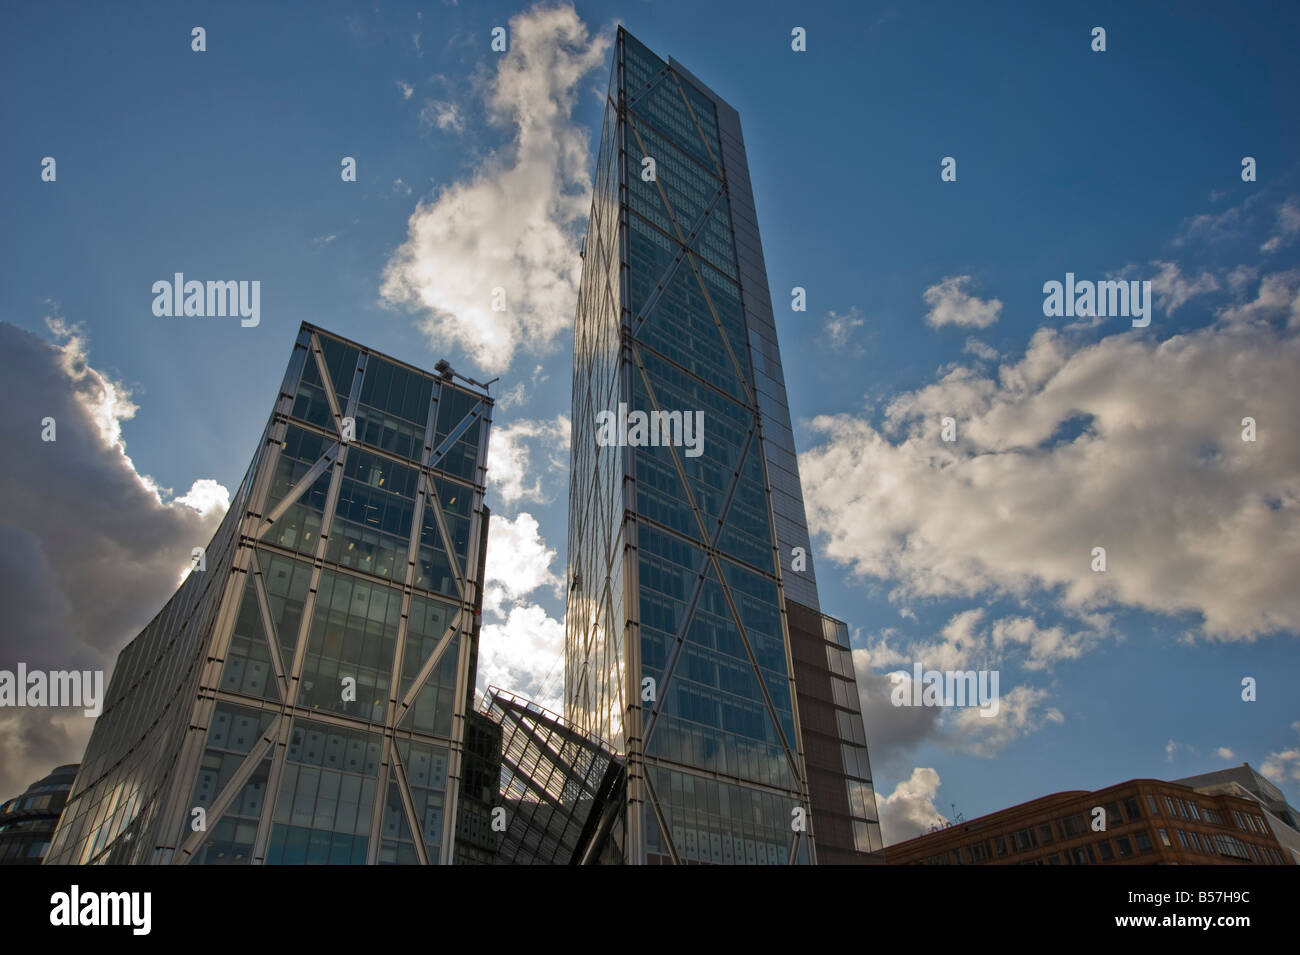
{"x": 225, "y": 165}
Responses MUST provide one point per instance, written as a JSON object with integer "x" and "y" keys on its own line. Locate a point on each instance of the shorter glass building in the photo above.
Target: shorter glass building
{"x": 561, "y": 789}
{"x": 27, "y": 822}
{"x": 303, "y": 697}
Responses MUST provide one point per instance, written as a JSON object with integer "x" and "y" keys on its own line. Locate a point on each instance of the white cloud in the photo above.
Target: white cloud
{"x": 1224, "y": 753}
{"x": 512, "y": 397}
{"x": 958, "y": 647}
{"x": 206, "y": 496}
{"x": 1241, "y": 276}
{"x": 964, "y": 643}
{"x": 518, "y": 562}
{"x": 406, "y": 88}
{"x": 1173, "y": 290}
{"x": 1018, "y": 503}
{"x": 1288, "y": 225}
{"x": 1278, "y": 296}
{"x": 909, "y": 810}
{"x": 511, "y": 473}
{"x": 1212, "y": 227}
{"x": 1021, "y": 712}
{"x": 444, "y": 114}
{"x": 981, "y": 350}
{"x": 1046, "y": 646}
{"x": 512, "y": 224}
{"x": 107, "y": 402}
{"x": 951, "y": 303}
{"x": 1173, "y": 748}
{"x": 839, "y": 328}
{"x": 1283, "y": 766}
{"x": 524, "y": 655}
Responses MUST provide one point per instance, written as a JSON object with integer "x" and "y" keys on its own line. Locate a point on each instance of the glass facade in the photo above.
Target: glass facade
{"x": 27, "y": 822}
{"x": 303, "y": 697}
{"x": 560, "y": 788}
{"x": 682, "y": 559}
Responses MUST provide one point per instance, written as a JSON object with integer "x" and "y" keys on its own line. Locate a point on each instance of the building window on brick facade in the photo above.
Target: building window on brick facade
{"x": 1232, "y": 847}
{"x": 1073, "y": 825}
{"x": 1113, "y": 818}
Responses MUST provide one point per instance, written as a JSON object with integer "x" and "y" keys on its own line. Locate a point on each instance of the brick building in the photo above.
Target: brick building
{"x": 1148, "y": 822}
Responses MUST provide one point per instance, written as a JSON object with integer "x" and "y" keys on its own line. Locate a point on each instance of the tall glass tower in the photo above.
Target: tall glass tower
{"x": 695, "y": 645}
{"x": 303, "y": 696}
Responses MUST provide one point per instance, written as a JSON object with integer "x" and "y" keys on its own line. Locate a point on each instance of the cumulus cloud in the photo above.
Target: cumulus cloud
{"x": 525, "y": 655}
{"x": 1021, "y": 712}
{"x": 964, "y": 643}
{"x": 444, "y": 114}
{"x": 1043, "y": 646}
{"x": 512, "y": 224}
{"x": 518, "y": 562}
{"x": 838, "y": 329}
{"x": 1212, "y": 227}
{"x": 1224, "y": 753}
{"x": 893, "y": 732}
{"x": 90, "y": 548}
{"x": 522, "y": 648}
{"x": 1172, "y": 289}
{"x": 513, "y": 476}
{"x": 909, "y": 810}
{"x": 951, "y": 303}
{"x": 1173, "y": 748}
{"x": 1283, "y": 766}
{"x": 1288, "y": 225}
{"x": 1118, "y": 444}
{"x": 406, "y": 88}
{"x": 1278, "y": 296}
{"x": 957, "y": 647}
{"x": 512, "y": 397}
{"x": 981, "y": 350}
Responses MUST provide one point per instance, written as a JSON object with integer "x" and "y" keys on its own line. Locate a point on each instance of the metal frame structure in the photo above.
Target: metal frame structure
{"x": 561, "y": 788}
{"x": 148, "y": 767}
{"x": 674, "y": 302}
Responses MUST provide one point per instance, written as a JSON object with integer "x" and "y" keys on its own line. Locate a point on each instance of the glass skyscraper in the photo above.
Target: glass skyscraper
{"x": 695, "y": 645}
{"x": 303, "y": 696}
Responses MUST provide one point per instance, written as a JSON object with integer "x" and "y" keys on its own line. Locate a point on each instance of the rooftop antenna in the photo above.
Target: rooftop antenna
{"x": 443, "y": 368}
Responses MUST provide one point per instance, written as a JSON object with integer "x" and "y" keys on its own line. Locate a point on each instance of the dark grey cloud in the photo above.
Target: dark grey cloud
{"x": 90, "y": 550}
